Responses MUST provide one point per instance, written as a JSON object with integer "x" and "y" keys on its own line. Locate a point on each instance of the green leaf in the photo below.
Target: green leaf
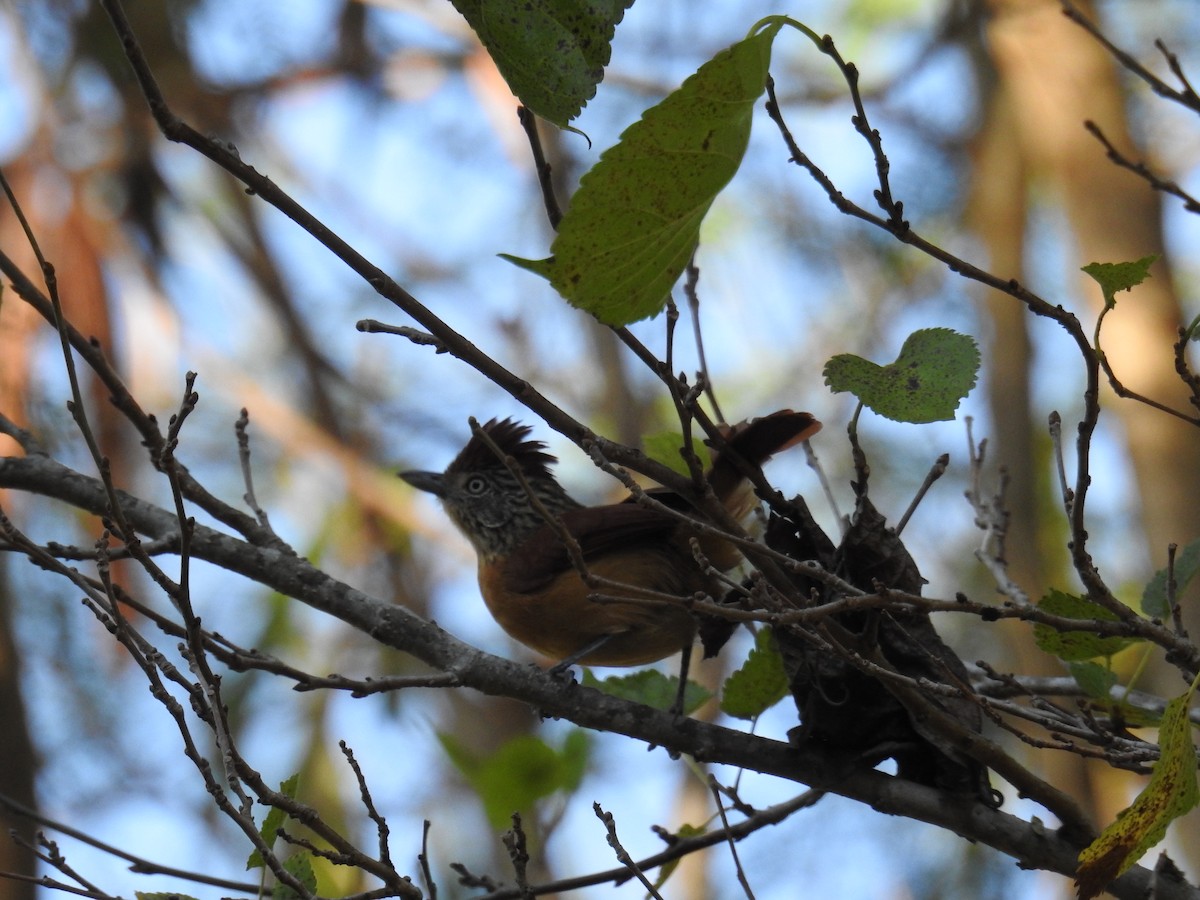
{"x": 552, "y": 53}
{"x": 300, "y": 865}
{"x": 161, "y": 895}
{"x": 935, "y": 370}
{"x": 1113, "y": 277}
{"x": 635, "y": 221}
{"x": 1076, "y": 645}
{"x": 666, "y": 447}
{"x": 274, "y": 821}
{"x": 519, "y": 773}
{"x": 1172, "y": 792}
{"x": 1154, "y": 597}
{"x": 574, "y": 756}
{"x": 651, "y": 687}
{"x": 759, "y": 684}
{"x": 1096, "y": 680}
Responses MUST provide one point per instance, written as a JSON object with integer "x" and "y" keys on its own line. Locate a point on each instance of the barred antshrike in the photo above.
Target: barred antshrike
{"x": 531, "y": 584}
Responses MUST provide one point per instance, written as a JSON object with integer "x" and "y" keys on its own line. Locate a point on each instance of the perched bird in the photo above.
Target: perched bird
{"x": 531, "y": 584}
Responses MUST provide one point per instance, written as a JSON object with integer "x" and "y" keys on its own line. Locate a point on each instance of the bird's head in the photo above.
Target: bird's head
{"x": 485, "y": 498}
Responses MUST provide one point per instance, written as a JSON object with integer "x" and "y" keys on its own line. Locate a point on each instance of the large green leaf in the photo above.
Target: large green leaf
{"x": 552, "y": 53}
{"x": 635, "y": 221}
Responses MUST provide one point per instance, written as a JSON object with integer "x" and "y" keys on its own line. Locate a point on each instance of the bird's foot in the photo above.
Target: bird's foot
{"x": 562, "y": 671}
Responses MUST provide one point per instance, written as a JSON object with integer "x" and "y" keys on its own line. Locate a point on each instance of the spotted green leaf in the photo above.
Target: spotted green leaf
{"x": 552, "y": 53}
{"x": 935, "y": 370}
{"x": 1172, "y": 791}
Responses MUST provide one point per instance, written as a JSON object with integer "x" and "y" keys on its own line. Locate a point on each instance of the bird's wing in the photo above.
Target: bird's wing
{"x": 598, "y": 530}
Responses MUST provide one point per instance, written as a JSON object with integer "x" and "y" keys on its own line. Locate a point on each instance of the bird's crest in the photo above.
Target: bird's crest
{"x": 510, "y": 436}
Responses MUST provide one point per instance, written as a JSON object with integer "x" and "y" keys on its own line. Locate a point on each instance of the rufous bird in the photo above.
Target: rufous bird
{"x": 529, "y": 581}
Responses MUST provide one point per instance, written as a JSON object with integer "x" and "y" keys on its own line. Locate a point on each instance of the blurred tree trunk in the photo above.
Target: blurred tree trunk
{"x": 18, "y": 759}
{"x": 998, "y": 211}
{"x": 1049, "y": 77}
{"x": 20, "y": 763}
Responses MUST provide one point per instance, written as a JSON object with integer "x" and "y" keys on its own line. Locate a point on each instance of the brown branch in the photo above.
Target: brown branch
{"x": 1142, "y": 170}
{"x": 544, "y": 174}
{"x": 1186, "y": 97}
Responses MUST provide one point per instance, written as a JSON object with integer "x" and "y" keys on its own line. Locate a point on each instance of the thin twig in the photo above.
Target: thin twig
{"x": 381, "y": 826}
{"x": 1173, "y": 603}
{"x": 544, "y": 172}
{"x": 691, "y": 291}
{"x": 1115, "y": 383}
{"x": 623, "y": 857}
{"x": 416, "y": 335}
{"x": 243, "y": 444}
{"x": 423, "y": 861}
{"x": 814, "y": 463}
{"x": 737, "y": 863}
{"x": 518, "y": 855}
{"x": 935, "y": 472}
{"x": 1142, "y": 170}
{"x": 1068, "y": 495}
{"x": 1186, "y": 97}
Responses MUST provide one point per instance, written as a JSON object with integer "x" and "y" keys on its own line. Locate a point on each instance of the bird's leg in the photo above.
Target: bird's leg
{"x": 562, "y": 665}
{"x": 685, "y": 663}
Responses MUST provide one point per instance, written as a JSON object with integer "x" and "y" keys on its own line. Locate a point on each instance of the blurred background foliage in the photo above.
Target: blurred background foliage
{"x": 389, "y": 122}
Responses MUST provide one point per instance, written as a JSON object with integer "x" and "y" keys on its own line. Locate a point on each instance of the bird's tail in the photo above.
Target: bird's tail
{"x": 750, "y": 444}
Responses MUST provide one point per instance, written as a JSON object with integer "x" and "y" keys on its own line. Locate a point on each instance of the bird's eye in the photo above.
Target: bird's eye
{"x": 476, "y": 485}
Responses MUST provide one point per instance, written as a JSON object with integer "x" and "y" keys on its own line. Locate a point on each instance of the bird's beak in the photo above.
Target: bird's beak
{"x": 433, "y": 482}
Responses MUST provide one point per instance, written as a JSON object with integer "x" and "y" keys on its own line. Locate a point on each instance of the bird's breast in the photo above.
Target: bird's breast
{"x": 560, "y": 617}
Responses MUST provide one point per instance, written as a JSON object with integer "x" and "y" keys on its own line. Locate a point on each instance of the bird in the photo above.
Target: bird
{"x": 529, "y": 575}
